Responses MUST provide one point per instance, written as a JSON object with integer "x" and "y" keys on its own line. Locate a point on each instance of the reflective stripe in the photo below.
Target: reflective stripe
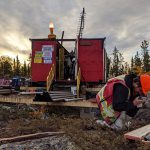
{"x": 104, "y": 104}
{"x": 101, "y": 93}
{"x": 121, "y": 77}
{"x": 102, "y": 99}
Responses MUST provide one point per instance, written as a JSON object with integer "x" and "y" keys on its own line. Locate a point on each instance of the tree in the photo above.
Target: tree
{"x": 126, "y": 68}
{"x": 6, "y": 66}
{"x": 29, "y": 70}
{"x": 137, "y": 60}
{"x": 146, "y": 57}
{"x": 24, "y": 70}
{"x": 136, "y": 64}
{"x": 14, "y": 67}
{"x": 18, "y": 66}
{"x": 107, "y": 66}
{"x": 117, "y": 62}
{"x": 29, "y": 65}
{"x": 132, "y": 63}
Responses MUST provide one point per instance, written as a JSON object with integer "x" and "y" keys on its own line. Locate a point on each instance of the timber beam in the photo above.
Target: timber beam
{"x": 18, "y": 100}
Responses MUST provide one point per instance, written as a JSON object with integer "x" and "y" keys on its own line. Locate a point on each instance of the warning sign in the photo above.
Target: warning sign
{"x": 37, "y": 60}
{"x": 38, "y": 54}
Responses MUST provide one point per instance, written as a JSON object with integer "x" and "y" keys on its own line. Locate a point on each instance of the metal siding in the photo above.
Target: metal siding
{"x": 90, "y": 59}
{"x": 39, "y": 72}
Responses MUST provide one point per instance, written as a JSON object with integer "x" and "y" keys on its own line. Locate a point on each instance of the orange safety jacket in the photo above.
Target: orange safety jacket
{"x": 104, "y": 99}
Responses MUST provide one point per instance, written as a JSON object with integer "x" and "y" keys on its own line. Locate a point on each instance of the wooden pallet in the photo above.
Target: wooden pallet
{"x": 138, "y": 134}
{"x": 21, "y": 100}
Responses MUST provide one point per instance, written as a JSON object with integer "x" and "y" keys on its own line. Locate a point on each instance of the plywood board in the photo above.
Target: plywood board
{"x": 29, "y": 137}
{"x": 138, "y": 134}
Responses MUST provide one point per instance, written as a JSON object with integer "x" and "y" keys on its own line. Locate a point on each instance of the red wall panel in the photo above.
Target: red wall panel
{"x": 91, "y": 59}
{"x": 39, "y": 71}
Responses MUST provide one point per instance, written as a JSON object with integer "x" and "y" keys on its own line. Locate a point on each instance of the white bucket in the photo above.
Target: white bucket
{"x": 74, "y": 90}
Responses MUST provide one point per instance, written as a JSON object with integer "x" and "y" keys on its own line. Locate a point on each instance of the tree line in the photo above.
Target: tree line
{"x": 13, "y": 67}
{"x": 140, "y": 63}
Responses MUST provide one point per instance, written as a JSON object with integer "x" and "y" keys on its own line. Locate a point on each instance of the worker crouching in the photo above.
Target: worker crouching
{"x": 119, "y": 99}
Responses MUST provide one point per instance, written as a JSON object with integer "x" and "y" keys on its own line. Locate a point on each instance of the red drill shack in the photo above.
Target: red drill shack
{"x": 90, "y": 57}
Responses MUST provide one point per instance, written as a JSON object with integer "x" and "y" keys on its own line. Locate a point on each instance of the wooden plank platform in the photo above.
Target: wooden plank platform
{"x": 31, "y": 88}
{"x": 81, "y": 103}
{"x": 138, "y": 134}
{"x": 51, "y": 92}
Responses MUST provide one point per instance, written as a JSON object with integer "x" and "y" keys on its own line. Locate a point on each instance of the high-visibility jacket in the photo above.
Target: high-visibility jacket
{"x": 104, "y": 99}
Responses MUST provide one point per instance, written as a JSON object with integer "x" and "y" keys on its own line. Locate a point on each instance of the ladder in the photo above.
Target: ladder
{"x": 50, "y": 77}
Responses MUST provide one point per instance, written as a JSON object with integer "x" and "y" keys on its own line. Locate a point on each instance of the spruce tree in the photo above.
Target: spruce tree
{"x": 137, "y": 68}
{"x": 146, "y": 57}
{"x": 107, "y": 66}
{"x": 132, "y": 63}
{"x": 137, "y": 60}
{"x": 14, "y": 67}
{"x": 117, "y": 62}
{"x": 25, "y": 69}
{"x": 18, "y": 66}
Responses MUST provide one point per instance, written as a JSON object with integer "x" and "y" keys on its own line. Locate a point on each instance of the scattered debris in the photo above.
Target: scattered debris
{"x": 48, "y": 143}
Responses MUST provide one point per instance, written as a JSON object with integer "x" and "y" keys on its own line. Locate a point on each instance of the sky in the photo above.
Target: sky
{"x": 124, "y": 23}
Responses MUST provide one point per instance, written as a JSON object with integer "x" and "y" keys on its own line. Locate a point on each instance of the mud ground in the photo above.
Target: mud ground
{"x": 80, "y": 133}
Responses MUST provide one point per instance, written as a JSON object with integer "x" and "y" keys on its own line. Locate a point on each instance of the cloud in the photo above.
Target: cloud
{"x": 124, "y": 23}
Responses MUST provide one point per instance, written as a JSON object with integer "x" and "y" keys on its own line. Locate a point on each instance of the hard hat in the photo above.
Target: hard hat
{"x": 145, "y": 83}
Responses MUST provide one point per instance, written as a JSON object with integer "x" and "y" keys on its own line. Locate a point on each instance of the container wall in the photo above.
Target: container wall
{"x": 43, "y": 56}
{"x": 91, "y": 59}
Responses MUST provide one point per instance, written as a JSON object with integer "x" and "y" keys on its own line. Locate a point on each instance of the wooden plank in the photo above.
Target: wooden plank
{"x": 82, "y": 103}
{"x": 73, "y": 99}
{"x": 60, "y": 99}
{"x": 138, "y": 134}
{"x": 66, "y": 99}
{"x": 146, "y": 142}
{"x": 51, "y": 92}
{"x": 61, "y": 96}
{"x": 29, "y": 137}
{"x": 93, "y": 89}
{"x": 31, "y": 88}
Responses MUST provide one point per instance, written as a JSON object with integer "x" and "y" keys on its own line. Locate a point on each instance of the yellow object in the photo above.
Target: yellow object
{"x": 37, "y": 60}
{"x": 50, "y": 77}
{"x": 78, "y": 82}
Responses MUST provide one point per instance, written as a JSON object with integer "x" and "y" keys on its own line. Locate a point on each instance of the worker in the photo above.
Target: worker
{"x": 119, "y": 99}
